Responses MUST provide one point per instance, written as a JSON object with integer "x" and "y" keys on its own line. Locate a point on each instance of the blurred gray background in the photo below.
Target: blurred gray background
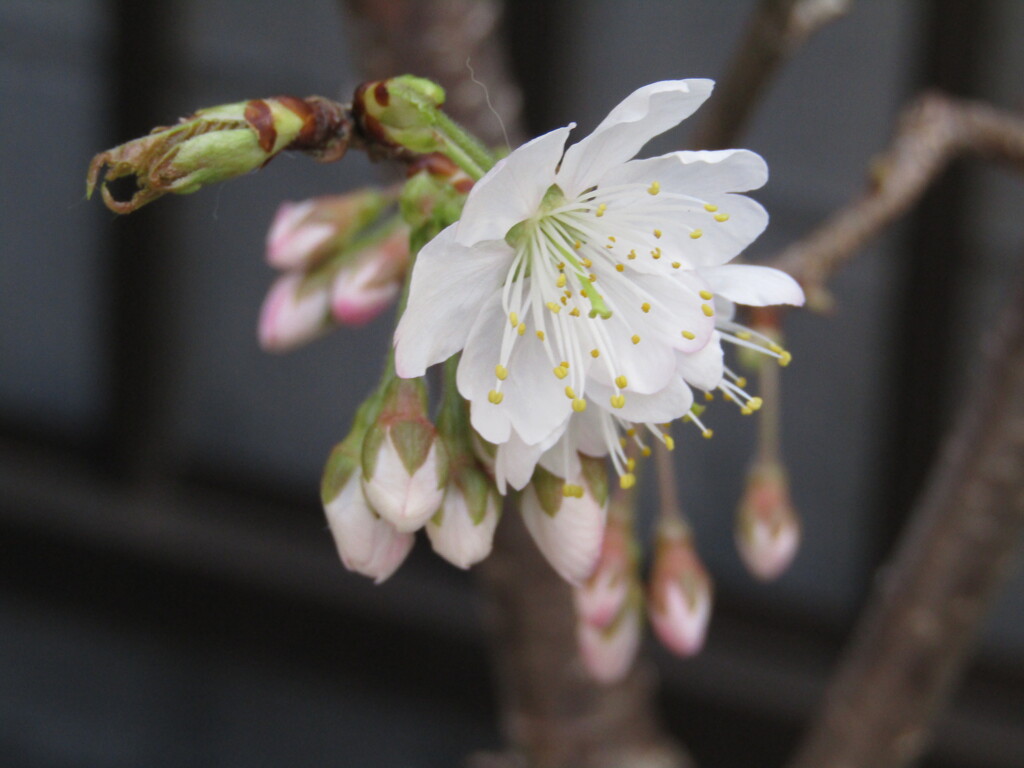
{"x": 169, "y": 594}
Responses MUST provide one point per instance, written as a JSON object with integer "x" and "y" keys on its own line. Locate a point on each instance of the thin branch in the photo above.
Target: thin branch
{"x": 931, "y": 132}
{"x": 775, "y": 31}
{"x": 914, "y": 640}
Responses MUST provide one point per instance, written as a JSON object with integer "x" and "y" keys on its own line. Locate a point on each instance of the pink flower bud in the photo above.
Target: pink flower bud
{"x": 368, "y": 283}
{"x": 608, "y": 652}
{"x": 295, "y": 311}
{"x": 566, "y": 522}
{"x": 304, "y": 234}
{"x": 767, "y": 526}
{"x": 366, "y": 543}
{"x": 601, "y": 597}
{"x": 679, "y": 603}
{"x": 405, "y": 466}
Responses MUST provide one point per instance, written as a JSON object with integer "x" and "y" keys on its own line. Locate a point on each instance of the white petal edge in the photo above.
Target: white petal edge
{"x": 753, "y": 285}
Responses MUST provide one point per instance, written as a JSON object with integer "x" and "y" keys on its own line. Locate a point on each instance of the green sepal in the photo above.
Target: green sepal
{"x": 595, "y": 475}
{"x": 345, "y": 457}
{"x": 548, "y": 488}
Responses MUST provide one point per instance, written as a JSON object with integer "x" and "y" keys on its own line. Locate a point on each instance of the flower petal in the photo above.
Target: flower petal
{"x": 450, "y": 284}
{"x": 512, "y": 190}
{"x": 571, "y": 539}
{"x": 704, "y": 368}
{"x": 695, "y": 173}
{"x": 753, "y": 285}
{"x": 534, "y": 403}
{"x": 670, "y": 403}
{"x": 514, "y": 463}
{"x": 641, "y": 116}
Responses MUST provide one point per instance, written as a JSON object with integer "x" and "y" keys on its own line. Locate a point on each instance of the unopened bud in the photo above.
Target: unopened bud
{"x": 401, "y": 111}
{"x": 608, "y": 652}
{"x": 296, "y": 310}
{"x": 405, "y": 465}
{"x": 568, "y": 529}
{"x": 767, "y": 526}
{"x": 217, "y": 144}
{"x": 601, "y": 597}
{"x": 462, "y": 532}
{"x": 305, "y": 233}
{"x": 367, "y": 543}
{"x": 680, "y": 596}
{"x": 370, "y": 280}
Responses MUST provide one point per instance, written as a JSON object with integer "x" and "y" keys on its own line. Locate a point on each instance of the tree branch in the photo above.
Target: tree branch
{"x": 775, "y": 31}
{"x": 914, "y": 640}
{"x": 932, "y": 131}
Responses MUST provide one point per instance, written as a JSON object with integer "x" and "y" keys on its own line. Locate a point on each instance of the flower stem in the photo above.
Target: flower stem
{"x": 463, "y": 148}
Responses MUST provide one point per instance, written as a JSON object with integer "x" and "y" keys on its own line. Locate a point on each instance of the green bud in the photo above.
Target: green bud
{"x": 403, "y": 111}
{"x": 217, "y": 144}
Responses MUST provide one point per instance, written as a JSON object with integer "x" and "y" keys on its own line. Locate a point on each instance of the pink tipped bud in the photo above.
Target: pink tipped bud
{"x": 461, "y": 534}
{"x": 608, "y": 652}
{"x": 566, "y": 521}
{"x": 405, "y": 465}
{"x": 767, "y": 526}
{"x": 366, "y": 543}
{"x": 368, "y": 283}
{"x": 601, "y": 597}
{"x": 295, "y": 311}
{"x": 304, "y": 234}
{"x": 680, "y": 592}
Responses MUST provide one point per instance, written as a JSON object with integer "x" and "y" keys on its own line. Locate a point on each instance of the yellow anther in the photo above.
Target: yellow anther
{"x": 785, "y": 359}
{"x": 706, "y": 295}
{"x": 495, "y": 396}
{"x": 570, "y": 393}
{"x": 696, "y": 234}
{"x": 560, "y": 372}
{"x": 627, "y": 481}
{"x": 593, "y": 277}
{"x": 560, "y": 281}
{"x": 630, "y": 463}
{"x": 579, "y": 405}
{"x": 727, "y": 397}
{"x": 621, "y": 382}
{"x": 612, "y": 238}
{"x": 635, "y": 339}
{"x": 572, "y": 490}
{"x": 741, "y": 381}
{"x": 622, "y": 442}
{"x": 560, "y": 265}
{"x": 501, "y": 372}
{"x": 645, "y": 307}
{"x": 656, "y": 253}
{"x": 654, "y": 189}
{"x": 708, "y": 396}
{"x": 565, "y": 364}
{"x": 755, "y": 403}
{"x": 689, "y": 335}
{"x": 657, "y": 233}
{"x": 645, "y": 451}
{"x": 707, "y": 309}
{"x": 553, "y": 307}
{"x": 609, "y": 246}
{"x": 710, "y": 207}
{"x": 707, "y": 434}
{"x": 513, "y": 318}
{"x": 577, "y": 245}
{"x": 521, "y": 329}
{"x": 600, "y": 210}
{"x": 586, "y": 263}
{"x": 565, "y": 300}
{"x": 670, "y": 442}
{"x": 744, "y": 335}
{"x": 676, "y": 265}
{"x": 618, "y": 401}
{"x": 721, "y": 217}
{"x": 746, "y": 410}
{"x": 632, "y": 255}
{"x": 595, "y": 353}
{"x": 575, "y": 312}
{"x": 540, "y": 335}
{"x": 583, "y": 293}
{"x": 631, "y": 432}
{"x": 620, "y": 267}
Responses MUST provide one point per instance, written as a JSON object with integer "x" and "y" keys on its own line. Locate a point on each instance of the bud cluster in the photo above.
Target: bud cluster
{"x": 343, "y": 260}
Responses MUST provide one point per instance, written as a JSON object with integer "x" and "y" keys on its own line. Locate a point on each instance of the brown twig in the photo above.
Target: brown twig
{"x": 914, "y": 640}
{"x": 931, "y": 132}
{"x": 776, "y": 29}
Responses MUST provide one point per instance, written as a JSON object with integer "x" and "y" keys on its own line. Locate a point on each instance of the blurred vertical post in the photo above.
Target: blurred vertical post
{"x": 552, "y": 713}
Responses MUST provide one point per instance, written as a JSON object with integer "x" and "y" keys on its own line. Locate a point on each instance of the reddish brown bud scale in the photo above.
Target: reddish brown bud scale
{"x": 380, "y": 93}
{"x": 259, "y": 116}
